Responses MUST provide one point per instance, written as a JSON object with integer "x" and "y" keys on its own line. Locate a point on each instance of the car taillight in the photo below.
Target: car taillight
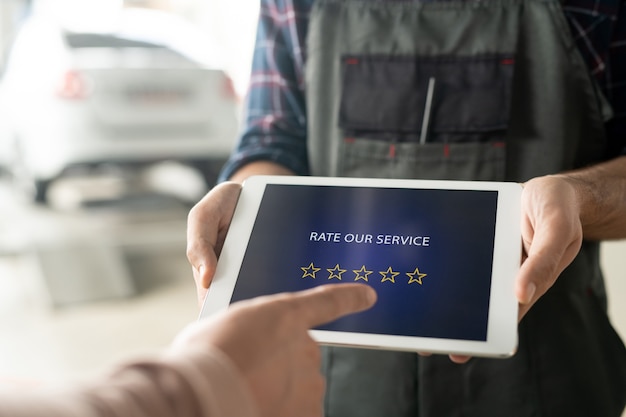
{"x": 73, "y": 86}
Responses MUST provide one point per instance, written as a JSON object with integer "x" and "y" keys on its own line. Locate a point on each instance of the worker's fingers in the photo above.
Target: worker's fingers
{"x": 207, "y": 224}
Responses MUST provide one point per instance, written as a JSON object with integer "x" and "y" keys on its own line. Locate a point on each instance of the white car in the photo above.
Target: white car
{"x": 137, "y": 90}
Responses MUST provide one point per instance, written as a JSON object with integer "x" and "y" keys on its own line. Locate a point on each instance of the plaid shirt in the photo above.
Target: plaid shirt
{"x": 275, "y": 123}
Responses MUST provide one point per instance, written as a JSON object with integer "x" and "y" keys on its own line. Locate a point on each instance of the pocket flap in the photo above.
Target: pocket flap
{"x": 388, "y": 93}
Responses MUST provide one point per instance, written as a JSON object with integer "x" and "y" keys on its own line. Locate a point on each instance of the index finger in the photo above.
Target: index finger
{"x": 329, "y": 302}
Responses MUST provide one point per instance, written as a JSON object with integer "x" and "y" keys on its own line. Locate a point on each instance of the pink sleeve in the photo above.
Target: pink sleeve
{"x": 200, "y": 384}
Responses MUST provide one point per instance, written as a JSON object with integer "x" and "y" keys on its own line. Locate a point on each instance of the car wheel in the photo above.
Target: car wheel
{"x": 32, "y": 190}
{"x": 27, "y": 186}
{"x": 40, "y": 191}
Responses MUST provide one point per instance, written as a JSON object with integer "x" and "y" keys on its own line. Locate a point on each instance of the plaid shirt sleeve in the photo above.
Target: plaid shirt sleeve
{"x": 599, "y": 30}
{"x": 275, "y": 119}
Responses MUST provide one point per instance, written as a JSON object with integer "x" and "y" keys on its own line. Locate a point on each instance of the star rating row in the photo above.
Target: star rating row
{"x": 362, "y": 274}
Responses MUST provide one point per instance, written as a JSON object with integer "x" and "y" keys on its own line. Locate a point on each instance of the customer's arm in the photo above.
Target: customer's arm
{"x": 256, "y": 359}
{"x": 200, "y": 383}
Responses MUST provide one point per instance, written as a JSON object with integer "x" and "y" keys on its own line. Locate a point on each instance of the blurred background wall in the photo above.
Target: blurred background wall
{"x": 231, "y": 22}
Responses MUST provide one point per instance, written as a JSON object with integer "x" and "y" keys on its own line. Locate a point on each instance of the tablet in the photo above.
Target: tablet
{"x": 442, "y": 256}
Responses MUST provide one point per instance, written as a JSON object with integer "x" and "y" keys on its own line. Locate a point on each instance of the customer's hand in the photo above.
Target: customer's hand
{"x": 267, "y": 339}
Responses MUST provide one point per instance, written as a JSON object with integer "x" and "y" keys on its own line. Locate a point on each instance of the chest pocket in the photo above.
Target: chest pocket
{"x": 438, "y": 117}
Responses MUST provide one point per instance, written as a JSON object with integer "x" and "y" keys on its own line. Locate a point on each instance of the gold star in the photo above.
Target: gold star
{"x": 361, "y": 274}
{"x": 386, "y": 276}
{"x": 309, "y": 271}
{"x": 415, "y": 276}
{"x": 335, "y": 272}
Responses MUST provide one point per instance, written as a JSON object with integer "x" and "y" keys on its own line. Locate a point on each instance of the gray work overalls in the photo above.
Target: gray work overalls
{"x": 469, "y": 90}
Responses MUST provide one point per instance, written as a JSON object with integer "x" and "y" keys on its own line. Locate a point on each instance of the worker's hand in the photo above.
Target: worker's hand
{"x": 268, "y": 341}
{"x": 209, "y": 219}
{"x": 552, "y": 235}
{"x": 207, "y": 224}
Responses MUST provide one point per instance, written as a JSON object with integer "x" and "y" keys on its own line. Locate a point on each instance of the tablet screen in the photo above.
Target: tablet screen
{"x": 427, "y": 252}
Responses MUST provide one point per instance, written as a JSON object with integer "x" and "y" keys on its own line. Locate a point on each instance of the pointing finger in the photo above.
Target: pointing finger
{"x": 326, "y": 303}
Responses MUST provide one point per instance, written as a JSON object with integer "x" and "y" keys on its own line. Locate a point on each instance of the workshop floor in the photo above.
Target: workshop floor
{"x": 43, "y": 342}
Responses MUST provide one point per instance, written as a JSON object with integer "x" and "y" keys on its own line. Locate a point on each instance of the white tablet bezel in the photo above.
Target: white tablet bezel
{"x": 503, "y": 308}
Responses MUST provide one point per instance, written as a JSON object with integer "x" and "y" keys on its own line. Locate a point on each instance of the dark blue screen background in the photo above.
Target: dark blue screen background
{"x": 452, "y": 300}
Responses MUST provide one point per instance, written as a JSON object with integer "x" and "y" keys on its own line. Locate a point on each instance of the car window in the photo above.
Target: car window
{"x": 98, "y": 40}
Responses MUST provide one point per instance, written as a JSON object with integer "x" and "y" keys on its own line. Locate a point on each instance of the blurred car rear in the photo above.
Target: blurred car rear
{"x": 122, "y": 95}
